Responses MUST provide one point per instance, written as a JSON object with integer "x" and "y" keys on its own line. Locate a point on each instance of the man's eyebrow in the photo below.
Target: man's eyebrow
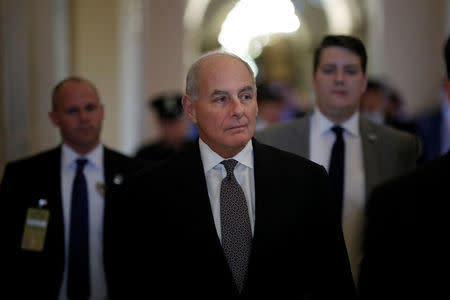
{"x": 344, "y": 65}
{"x": 352, "y": 65}
{"x": 219, "y": 92}
{"x": 222, "y": 92}
{"x": 247, "y": 88}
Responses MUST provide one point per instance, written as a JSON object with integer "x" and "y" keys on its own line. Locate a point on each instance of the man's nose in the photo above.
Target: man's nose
{"x": 84, "y": 114}
{"x": 237, "y": 107}
{"x": 339, "y": 77}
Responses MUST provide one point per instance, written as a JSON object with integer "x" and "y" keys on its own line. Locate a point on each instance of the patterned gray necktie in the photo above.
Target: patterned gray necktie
{"x": 235, "y": 224}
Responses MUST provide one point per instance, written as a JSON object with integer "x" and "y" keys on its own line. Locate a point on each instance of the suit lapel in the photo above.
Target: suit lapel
{"x": 265, "y": 207}
{"x": 195, "y": 184}
{"x": 112, "y": 177}
{"x": 303, "y": 131}
{"x": 204, "y": 205}
{"x": 202, "y": 232}
{"x": 263, "y": 189}
{"x": 54, "y": 243}
{"x": 295, "y": 136}
{"x": 371, "y": 156}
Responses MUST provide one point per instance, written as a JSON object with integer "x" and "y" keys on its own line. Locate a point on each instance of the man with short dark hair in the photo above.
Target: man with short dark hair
{"x": 230, "y": 218}
{"x": 55, "y": 203}
{"x": 357, "y": 153}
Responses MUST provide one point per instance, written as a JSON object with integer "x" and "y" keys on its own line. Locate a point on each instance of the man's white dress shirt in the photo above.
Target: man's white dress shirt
{"x": 321, "y": 142}
{"x": 93, "y": 171}
{"x": 215, "y": 172}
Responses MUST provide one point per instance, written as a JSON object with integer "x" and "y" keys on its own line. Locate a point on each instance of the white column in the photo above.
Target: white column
{"x": 414, "y": 34}
{"x": 33, "y": 56}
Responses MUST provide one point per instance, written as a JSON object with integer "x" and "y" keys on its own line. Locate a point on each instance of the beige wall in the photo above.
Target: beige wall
{"x": 46, "y": 66}
{"x": 162, "y": 54}
{"x": 101, "y": 51}
{"x": 405, "y": 48}
{"x": 31, "y": 61}
{"x": 94, "y": 55}
{"x": 413, "y": 40}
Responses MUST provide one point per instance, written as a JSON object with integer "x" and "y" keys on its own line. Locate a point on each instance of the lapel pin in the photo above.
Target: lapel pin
{"x": 372, "y": 137}
{"x": 42, "y": 203}
{"x": 100, "y": 188}
{"x": 118, "y": 179}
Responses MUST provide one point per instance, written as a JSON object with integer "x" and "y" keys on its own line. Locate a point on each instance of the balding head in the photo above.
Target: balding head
{"x": 192, "y": 82}
{"x": 62, "y": 84}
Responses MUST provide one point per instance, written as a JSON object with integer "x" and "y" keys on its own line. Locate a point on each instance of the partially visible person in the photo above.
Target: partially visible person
{"x": 173, "y": 128}
{"x": 374, "y": 101}
{"x": 407, "y": 227}
{"x": 433, "y": 128}
{"x": 396, "y": 114}
{"x": 357, "y": 153}
{"x": 381, "y": 104}
{"x": 293, "y": 108}
{"x": 270, "y": 104}
{"x": 229, "y": 217}
{"x": 55, "y": 203}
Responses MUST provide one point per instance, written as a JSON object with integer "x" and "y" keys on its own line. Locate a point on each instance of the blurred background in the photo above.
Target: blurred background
{"x": 135, "y": 49}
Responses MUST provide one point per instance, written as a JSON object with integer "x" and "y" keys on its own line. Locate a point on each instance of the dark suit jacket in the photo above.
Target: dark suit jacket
{"x": 297, "y": 251}
{"x": 38, "y": 275}
{"x": 429, "y": 129}
{"x": 157, "y": 152}
{"x": 407, "y": 238}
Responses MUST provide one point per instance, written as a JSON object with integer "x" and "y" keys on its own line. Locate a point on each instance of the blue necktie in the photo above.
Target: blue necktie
{"x": 78, "y": 280}
{"x": 336, "y": 169}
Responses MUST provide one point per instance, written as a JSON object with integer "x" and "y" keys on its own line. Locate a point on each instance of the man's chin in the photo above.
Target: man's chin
{"x": 239, "y": 140}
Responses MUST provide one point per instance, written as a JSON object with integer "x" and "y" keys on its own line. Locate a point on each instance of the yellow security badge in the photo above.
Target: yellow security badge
{"x": 35, "y": 229}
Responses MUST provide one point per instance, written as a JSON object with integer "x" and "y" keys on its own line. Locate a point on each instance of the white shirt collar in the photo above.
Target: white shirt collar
{"x": 95, "y": 157}
{"x": 324, "y": 124}
{"x": 210, "y": 159}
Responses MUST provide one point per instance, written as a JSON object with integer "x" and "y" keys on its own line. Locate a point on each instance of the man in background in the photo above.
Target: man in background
{"x": 55, "y": 204}
{"x": 381, "y": 104}
{"x": 270, "y": 104}
{"x": 173, "y": 128}
{"x": 357, "y": 153}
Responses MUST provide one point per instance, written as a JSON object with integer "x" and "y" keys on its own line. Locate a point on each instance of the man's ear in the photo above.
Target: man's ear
{"x": 366, "y": 80}
{"x": 189, "y": 108}
{"x": 54, "y": 118}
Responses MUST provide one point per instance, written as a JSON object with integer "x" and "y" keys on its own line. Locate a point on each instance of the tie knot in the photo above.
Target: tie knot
{"x": 81, "y": 162}
{"x": 229, "y": 165}
{"x": 337, "y": 130}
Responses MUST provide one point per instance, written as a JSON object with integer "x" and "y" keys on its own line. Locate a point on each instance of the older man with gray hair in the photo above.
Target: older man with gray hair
{"x": 230, "y": 217}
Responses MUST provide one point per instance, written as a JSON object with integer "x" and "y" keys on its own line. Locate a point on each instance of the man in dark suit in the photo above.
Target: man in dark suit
{"x": 371, "y": 153}
{"x": 275, "y": 233}
{"x": 406, "y": 241}
{"x": 40, "y": 218}
{"x": 433, "y": 128}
